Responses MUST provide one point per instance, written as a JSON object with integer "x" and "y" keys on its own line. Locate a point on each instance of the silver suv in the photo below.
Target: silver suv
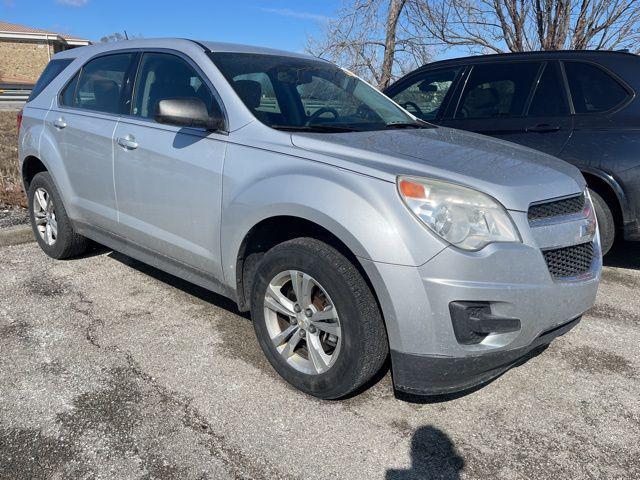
{"x": 350, "y": 229}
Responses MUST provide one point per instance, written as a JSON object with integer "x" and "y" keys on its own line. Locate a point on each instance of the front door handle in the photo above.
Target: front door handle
{"x": 59, "y": 123}
{"x": 127, "y": 142}
{"x": 543, "y": 128}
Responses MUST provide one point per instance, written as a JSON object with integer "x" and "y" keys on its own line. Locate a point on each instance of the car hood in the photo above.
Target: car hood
{"x": 514, "y": 175}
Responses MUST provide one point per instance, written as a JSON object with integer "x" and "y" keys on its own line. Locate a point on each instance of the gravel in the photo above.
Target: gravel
{"x": 12, "y": 215}
{"x": 112, "y": 369}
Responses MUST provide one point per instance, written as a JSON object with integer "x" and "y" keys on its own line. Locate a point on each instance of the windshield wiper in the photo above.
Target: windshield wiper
{"x": 314, "y": 128}
{"x": 406, "y": 125}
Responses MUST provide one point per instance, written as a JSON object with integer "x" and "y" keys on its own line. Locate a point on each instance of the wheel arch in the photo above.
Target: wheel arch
{"x": 276, "y": 229}
{"x": 31, "y": 166}
{"x": 612, "y": 193}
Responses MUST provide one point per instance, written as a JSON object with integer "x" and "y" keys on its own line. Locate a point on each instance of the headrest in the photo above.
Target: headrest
{"x": 249, "y": 91}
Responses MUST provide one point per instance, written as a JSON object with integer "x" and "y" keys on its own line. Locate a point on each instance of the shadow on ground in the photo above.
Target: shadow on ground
{"x": 433, "y": 455}
{"x": 183, "y": 285}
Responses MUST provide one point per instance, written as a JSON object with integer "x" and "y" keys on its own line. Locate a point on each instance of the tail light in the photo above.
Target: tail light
{"x": 19, "y": 119}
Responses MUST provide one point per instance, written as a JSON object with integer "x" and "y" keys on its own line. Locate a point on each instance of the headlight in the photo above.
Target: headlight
{"x": 461, "y": 216}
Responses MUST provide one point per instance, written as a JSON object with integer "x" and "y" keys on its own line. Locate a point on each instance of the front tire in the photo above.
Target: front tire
{"x": 49, "y": 221}
{"x": 606, "y": 223}
{"x": 316, "y": 319}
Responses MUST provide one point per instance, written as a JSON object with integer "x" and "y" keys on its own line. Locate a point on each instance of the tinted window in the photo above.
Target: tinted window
{"x": 101, "y": 83}
{"x": 52, "y": 70}
{"x": 497, "y": 90}
{"x": 162, "y": 76}
{"x": 549, "y": 99}
{"x": 592, "y": 89}
{"x": 69, "y": 92}
{"x": 298, "y": 88}
{"x": 425, "y": 95}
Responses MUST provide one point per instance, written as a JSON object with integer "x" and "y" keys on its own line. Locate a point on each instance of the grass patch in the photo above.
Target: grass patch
{"x": 10, "y": 182}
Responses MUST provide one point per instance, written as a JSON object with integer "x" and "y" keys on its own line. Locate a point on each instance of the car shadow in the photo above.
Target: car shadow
{"x": 624, "y": 255}
{"x": 182, "y": 285}
{"x": 433, "y": 455}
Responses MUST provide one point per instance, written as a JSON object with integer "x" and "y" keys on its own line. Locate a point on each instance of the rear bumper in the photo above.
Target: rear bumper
{"x": 439, "y": 375}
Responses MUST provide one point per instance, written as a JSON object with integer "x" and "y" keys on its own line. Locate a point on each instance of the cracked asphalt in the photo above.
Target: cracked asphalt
{"x": 112, "y": 369}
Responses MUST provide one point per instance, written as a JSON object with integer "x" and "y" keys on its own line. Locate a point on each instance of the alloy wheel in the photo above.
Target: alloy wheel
{"x": 302, "y": 322}
{"x": 44, "y": 214}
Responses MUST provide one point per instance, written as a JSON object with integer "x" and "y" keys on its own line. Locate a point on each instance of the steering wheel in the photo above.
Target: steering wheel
{"x": 414, "y": 106}
{"x": 321, "y": 111}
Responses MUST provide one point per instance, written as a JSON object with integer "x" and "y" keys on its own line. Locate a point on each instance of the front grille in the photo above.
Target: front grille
{"x": 569, "y": 261}
{"x": 556, "y": 208}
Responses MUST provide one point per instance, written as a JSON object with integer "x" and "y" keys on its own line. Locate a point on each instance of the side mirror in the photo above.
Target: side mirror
{"x": 187, "y": 112}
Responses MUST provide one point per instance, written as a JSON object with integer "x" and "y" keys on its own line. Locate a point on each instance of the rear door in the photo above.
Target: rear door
{"x": 84, "y": 121}
{"x": 169, "y": 178}
{"x": 522, "y": 102}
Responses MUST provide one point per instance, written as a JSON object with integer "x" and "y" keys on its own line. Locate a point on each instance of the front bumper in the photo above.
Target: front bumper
{"x": 434, "y": 375}
{"x": 513, "y": 278}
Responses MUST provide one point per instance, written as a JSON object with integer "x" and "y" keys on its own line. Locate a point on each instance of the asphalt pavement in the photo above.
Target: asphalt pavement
{"x": 112, "y": 369}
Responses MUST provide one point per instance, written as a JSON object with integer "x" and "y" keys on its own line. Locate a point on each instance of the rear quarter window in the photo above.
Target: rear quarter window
{"x": 592, "y": 89}
{"x": 51, "y": 71}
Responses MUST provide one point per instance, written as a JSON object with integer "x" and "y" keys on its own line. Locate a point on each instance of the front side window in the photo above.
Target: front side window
{"x": 100, "y": 84}
{"x": 498, "y": 90}
{"x": 425, "y": 95}
{"x": 164, "y": 76}
{"x": 592, "y": 89}
{"x": 292, "y": 93}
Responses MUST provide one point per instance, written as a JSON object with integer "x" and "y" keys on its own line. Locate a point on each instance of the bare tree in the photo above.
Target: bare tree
{"x": 115, "y": 37}
{"x": 374, "y": 38}
{"x": 520, "y": 25}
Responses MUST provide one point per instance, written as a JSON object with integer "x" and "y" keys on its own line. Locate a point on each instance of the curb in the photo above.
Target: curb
{"x": 16, "y": 235}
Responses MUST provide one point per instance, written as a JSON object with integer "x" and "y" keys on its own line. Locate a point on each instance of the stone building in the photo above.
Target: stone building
{"x": 25, "y": 51}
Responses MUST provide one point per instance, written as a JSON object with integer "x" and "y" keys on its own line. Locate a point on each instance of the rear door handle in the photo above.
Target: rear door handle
{"x": 127, "y": 142}
{"x": 543, "y": 128}
{"x": 59, "y": 123}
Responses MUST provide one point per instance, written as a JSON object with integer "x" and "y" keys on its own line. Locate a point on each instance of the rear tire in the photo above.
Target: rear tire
{"x": 362, "y": 346}
{"x": 50, "y": 222}
{"x": 606, "y": 223}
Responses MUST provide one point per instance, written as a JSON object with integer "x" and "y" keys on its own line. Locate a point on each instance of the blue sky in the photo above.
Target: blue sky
{"x": 274, "y": 23}
{"x": 282, "y": 24}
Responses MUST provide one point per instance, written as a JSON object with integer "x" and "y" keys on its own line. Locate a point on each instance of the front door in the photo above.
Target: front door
{"x": 521, "y": 102}
{"x": 168, "y": 178}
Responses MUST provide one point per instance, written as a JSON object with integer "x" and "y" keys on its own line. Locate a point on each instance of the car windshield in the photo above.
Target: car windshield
{"x": 299, "y": 94}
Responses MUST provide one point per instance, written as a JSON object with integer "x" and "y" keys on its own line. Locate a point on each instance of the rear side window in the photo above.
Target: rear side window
{"x": 497, "y": 90}
{"x": 52, "y": 70}
{"x": 425, "y": 95}
{"x": 592, "y": 89}
{"x": 550, "y": 98}
{"x": 68, "y": 94}
{"x": 99, "y": 85}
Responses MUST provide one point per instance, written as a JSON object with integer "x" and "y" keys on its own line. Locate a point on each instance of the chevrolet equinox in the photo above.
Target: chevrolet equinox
{"x": 351, "y": 230}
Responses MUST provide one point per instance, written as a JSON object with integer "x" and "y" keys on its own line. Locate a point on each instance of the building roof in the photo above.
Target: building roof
{"x": 22, "y": 32}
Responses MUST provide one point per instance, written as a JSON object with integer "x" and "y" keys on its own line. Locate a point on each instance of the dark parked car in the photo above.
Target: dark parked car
{"x": 580, "y": 106}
